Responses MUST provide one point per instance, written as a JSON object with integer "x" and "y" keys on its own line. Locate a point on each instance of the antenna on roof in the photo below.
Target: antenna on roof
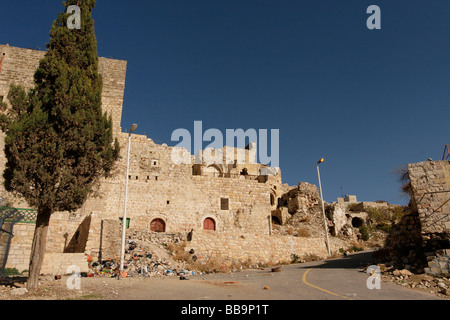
{"x": 446, "y": 155}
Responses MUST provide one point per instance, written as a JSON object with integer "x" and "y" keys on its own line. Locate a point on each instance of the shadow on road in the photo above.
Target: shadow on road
{"x": 352, "y": 261}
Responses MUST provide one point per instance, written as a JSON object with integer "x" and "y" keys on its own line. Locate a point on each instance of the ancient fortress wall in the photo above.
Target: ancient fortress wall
{"x": 161, "y": 194}
{"x": 430, "y": 183}
{"x": 18, "y": 66}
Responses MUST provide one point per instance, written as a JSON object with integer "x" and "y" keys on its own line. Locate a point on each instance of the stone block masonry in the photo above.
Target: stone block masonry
{"x": 59, "y": 263}
{"x": 19, "y": 252}
{"x": 228, "y": 208}
{"x": 430, "y": 184}
{"x": 440, "y": 263}
{"x": 69, "y": 235}
{"x": 67, "y": 232}
{"x": 259, "y": 248}
{"x": 19, "y": 65}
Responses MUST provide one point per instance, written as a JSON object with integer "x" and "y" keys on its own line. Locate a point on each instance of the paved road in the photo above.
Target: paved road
{"x": 336, "y": 279}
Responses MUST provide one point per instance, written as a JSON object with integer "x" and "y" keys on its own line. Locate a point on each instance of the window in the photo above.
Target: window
{"x": 168, "y": 201}
{"x": 128, "y": 222}
{"x": 224, "y": 204}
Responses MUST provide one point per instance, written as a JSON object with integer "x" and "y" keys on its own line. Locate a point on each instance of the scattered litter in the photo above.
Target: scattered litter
{"x": 140, "y": 260}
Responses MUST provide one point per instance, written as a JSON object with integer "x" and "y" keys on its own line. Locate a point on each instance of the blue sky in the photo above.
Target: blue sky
{"x": 368, "y": 101}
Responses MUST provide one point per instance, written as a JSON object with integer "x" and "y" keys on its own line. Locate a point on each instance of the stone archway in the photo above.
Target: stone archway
{"x": 214, "y": 170}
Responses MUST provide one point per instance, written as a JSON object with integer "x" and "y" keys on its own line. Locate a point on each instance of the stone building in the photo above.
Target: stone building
{"x": 230, "y": 207}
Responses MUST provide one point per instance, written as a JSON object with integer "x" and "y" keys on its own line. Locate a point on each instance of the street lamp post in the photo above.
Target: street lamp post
{"x": 124, "y": 219}
{"x": 323, "y": 207}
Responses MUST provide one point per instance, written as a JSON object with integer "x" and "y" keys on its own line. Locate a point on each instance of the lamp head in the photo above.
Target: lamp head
{"x": 321, "y": 160}
{"x": 133, "y": 127}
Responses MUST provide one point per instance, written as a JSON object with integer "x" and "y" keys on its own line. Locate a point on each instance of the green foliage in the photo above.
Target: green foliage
{"x": 386, "y": 228}
{"x": 385, "y": 215}
{"x": 383, "y": 218}
{"x": 11, "y": 272}
{"x": 354, "y": 207}
{"x": 365, "y": 235}
{"x": 397, "y": 214}
{"x": 355, "y": 248}
{"x": 295, "y": 258}
{"x": 58, "y": 142}
{"x": 21, "y": 103}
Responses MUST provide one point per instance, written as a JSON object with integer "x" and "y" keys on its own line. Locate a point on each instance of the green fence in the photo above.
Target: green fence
{"x": 29, "y": 215}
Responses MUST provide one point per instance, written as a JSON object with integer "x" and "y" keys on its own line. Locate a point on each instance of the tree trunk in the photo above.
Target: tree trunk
{"x": 38, "y": 247}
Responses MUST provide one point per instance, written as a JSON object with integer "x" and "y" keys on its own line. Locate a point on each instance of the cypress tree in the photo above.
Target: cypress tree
{"x": 58, "y": 141}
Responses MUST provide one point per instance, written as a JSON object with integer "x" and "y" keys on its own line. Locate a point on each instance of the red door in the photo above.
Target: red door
{"x": 158, "y": 225}
{"x": 209, "y": 224}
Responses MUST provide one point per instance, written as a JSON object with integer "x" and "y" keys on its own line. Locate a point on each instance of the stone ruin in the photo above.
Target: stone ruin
{"x": 232, "y": 212}
{"x": 421, "y": 240}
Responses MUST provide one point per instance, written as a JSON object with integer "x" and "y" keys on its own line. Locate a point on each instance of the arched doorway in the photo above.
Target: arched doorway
{"x": 158, "y": 225}
{"x": 209, "y": 224}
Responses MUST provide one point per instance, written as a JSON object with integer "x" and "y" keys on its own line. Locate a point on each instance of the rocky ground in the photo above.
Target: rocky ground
{"x": 439, "y": 285}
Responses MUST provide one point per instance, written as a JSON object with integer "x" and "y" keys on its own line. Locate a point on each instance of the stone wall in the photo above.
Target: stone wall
{"x": 257, "y": 248}
{"x": 68, "y": 234}
{"x": 175, "y": 198}
{"x": 157, "y": 189}
{"x": 19, "y": 65}
{"x": 430, "y": 194}
{"x": 405, "y": 236}
{"x": 439, "y": 264}
{"x": 59, "y": 263}
{"x": 20, "y": 249}
{"x": 160, "y": 189}
{"x": 303, "y": 196}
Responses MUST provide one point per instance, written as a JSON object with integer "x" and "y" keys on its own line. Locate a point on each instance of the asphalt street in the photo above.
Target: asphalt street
{"x": 334, "y": 279}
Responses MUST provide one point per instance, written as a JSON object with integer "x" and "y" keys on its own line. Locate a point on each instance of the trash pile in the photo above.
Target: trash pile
{"x": 140, "y": 260}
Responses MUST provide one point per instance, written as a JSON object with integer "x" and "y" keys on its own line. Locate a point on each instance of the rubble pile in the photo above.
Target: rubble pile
{"x": 141, "y": 259}
{"x": 439, "y": 285}
{"x": 12, "y": 285}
